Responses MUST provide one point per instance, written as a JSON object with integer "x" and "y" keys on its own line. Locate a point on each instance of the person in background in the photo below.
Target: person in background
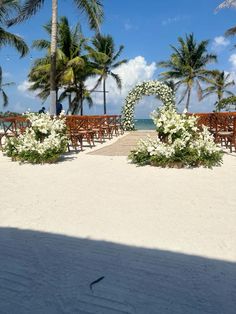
{"x": 59, "y": 108}
{"x": 42, "y": 110}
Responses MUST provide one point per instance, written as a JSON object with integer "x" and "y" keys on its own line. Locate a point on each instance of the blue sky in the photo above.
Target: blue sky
{"x": 146, "y": 29}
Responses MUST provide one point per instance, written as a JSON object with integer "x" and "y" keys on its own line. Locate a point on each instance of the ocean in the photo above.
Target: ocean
{"x": 144, "y": 124}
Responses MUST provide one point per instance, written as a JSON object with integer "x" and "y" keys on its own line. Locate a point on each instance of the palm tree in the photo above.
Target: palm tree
{"x": 2, "y": 92}
{"x": 94, "y": 12}
{"x": 187, "y": 66}
{"x": 72, "y": 68}
{"x": 104, "y": 58}
{"x": 228, "y": 4}
{"x": 219, "y": 85}
{"x": 7, "y": 7}
{"x": 75, "y": 78}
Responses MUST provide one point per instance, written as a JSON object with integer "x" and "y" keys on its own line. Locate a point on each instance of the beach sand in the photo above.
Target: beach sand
{"x": 96, "y": 234}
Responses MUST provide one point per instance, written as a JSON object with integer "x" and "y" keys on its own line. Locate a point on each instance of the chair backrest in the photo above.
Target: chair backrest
{"x": 21, "y": 124}
{"x": 203, "y": 119}
{"x": 9, "y": 126}
{"x": 76, "y": 123}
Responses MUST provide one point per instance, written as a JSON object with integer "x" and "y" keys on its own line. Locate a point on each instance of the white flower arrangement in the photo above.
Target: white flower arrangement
{"x": 44, "y": 141}
{"x": 145, "y": 88}
{"x": 179, "y": 143}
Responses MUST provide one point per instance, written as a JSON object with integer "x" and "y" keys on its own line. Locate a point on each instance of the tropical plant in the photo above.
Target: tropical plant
{"x": 179, "y": 143}
{"x": 226, "y": 102}
{"x": 104, "y": 58}
{"x": 72, "y": 66}
{"x": 219, "y": 84}
{"x": 8, "y": 7}
{"x": 42, "y": 142}
{"x": 75, "y": 80}
{"x": 94, "y": 12}
{"x": 187, "y": 66}
{"x": 2, "y": 92}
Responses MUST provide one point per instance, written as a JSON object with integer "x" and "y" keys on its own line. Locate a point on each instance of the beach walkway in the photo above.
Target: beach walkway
{"x": 123, "y": 145}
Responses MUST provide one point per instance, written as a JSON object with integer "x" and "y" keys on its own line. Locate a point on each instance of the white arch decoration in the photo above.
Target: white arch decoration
{"x": 144, "y": 89}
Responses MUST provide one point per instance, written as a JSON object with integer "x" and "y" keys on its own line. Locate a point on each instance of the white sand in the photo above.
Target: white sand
{"x": 164, "y": 239}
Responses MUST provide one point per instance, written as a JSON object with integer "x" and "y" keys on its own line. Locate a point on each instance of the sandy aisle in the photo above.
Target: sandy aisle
{"x": 141, "y": 228}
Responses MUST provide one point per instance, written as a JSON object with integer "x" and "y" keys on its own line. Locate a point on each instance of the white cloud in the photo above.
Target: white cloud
{"x": 232, "y": 60}
{"x": 175, "y": 19}
{"x": 24, "y": 86}
{"x": 129, "y": 26}
{"x": 220, "y": 42}
{"x": 24, "y": 89}
{"x": 134, "y": 71}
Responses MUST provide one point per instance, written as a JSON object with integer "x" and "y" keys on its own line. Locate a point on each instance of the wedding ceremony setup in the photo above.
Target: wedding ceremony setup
{"x": 117, "y": 157}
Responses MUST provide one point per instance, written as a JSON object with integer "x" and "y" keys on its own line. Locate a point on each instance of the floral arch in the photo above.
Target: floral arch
{"x": 148, "y": 88}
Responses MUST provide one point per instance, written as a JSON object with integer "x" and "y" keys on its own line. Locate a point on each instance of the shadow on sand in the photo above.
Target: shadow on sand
{"x": 48, "y": 273}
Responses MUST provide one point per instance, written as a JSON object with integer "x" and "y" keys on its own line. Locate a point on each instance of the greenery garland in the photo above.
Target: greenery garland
{"x": 148, "y": 88}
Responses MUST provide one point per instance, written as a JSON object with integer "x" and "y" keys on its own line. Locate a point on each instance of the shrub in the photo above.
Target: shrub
{"x": 179, "y": 143}
{"x": 43, "y": 142}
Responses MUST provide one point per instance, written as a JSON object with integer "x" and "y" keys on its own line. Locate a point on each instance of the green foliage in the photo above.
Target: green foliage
{"x": 43, "y": 142}
{"x": 226, "y": 102}
{"x": 219, "y": 84}
{"x": 105, "y": 59}
{"x": 187, "y": 66}
{"x": 31, "y": 156}
{"x": 179, "y": 143}
{"x": 184, "y": 158}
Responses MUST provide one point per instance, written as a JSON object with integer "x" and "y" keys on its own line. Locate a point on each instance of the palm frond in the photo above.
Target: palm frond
{"x": 93, "y": 10}
{"x": 41, "y": 44}
{"x": 29, "y": 8}
{"x": 4, "y": 97}
{"x": 231, "y": 31}
{"x": 184, "y": 94}
{"x": 117, "y": 79}
{"x": 13, "y": 40}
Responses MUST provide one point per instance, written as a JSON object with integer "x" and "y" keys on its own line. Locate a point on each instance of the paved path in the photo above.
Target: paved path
{"x": 124, "y": 145}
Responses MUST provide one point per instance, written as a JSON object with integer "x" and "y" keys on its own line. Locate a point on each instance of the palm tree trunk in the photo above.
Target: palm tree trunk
{"x": 104, "y": 96}
{"x": 81, "y": 99}
{"x": 53, "y": 85}
{"x": 188, "y": 98}
{"x": 81, "y": 107}
{"x": 219, "y": 99}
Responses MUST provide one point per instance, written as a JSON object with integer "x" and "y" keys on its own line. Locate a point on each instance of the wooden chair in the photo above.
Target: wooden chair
{"x": 115, "y": 124}
{"x": 95, "y": 123}
{"x": 78, "y": 130}
{"x": 224, "y": 125}
{"x": 203, "y": 119}
{"x": 12, "y": 127}
{"x": 231, "y": 139}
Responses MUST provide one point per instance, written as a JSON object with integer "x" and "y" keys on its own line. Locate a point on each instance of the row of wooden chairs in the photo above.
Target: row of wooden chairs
{"x": 222, "y": 125}
{"x": 12, "y": 127}
{"x": 79, "y": 128}
{"x": 91, "y": 128}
